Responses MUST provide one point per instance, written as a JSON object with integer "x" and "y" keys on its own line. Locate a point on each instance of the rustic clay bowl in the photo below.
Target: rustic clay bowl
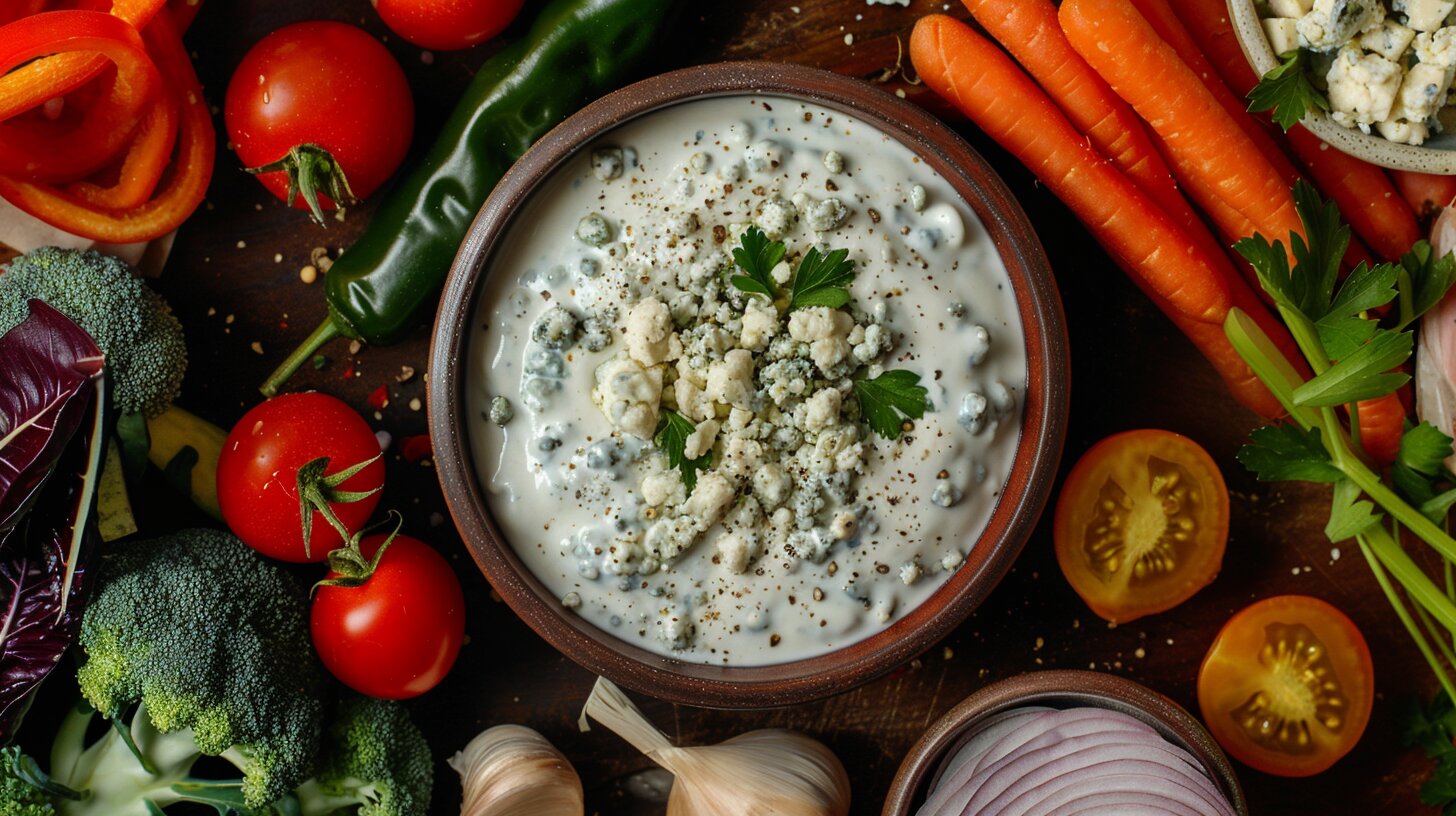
{"x": 1025, "y": 494}
{"x": 1055, "y": 689}
{"x": 1437, "y": 155}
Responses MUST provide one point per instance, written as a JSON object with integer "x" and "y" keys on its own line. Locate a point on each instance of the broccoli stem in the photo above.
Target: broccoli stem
{"x": 315, "y": 799}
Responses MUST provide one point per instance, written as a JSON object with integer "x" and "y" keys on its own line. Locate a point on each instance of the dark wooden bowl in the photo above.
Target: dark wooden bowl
{"x": 1055, "y": 689}
{"x": 1038, "y": 448}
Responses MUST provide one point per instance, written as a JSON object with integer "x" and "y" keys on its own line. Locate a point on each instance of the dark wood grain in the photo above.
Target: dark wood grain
{"x": 1130, "y": 369}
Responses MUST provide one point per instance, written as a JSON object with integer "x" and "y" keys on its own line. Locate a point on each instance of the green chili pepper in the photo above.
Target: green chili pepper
{"x": 389, "y": 281}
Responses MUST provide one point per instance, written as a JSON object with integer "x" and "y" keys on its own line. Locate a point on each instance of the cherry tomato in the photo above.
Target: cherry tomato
{"x": 1287, "y": 686}
{"x": 1141, "y": 523}
{"x": 447, "y": 25}
{"x": 397, "y": 634}
{"x": 257, "y": 473}
{"x": 326, "y": 84}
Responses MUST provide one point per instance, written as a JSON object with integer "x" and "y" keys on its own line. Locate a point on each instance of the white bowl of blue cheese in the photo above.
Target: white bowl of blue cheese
{"x": 746, "y": 382}
{"x": 1371, "y": 77}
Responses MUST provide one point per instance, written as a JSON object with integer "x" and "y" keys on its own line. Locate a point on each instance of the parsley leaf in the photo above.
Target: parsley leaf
{"x": 1278, "y": 453}
{"x": 1417, "y": 467}
{"x": 1364, "y": 373}
{"x": 1342, "y": 329}
{"x": 888, "y": 399}
{"x": 1424, "y": 280}
{"x": 757, "y": 256}
{"x": 672, "y": 436}
{"x": 822, "y": 280}
{"x": 1349, "y": 514}
{"x": 1287, "y": 91}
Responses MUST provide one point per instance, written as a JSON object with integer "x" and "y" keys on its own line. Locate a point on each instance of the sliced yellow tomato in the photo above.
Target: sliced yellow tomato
{"x": 1287, "y": 685}
{"x": 1141, "y": 523}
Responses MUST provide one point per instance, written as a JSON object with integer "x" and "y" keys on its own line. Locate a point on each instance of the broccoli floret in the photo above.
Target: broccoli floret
{"x": 21, "y": 792}
{"x": 375, "y": 762}
{"x": 146, "y": 356}
{"x": 209, "y": 637}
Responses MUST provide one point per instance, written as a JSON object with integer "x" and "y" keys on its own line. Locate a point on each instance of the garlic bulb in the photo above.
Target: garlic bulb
{"x": 1436, "y": 357}
{"x": 511, "y": 770}
{"x": 762, "y": 773}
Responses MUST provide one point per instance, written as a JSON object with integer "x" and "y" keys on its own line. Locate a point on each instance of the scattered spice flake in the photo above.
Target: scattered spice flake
{"x": 354, "y": 346}
{"x": 256, "y": 347}
{"x": 308, "y": 274}
{"x": 384, "y": 438}
{"x": 380, "y": 398}
{"x": 406, "y": 373}
{"x": 319, "y": 361}
{"x": 415, "y": 404}
{"x": 415, "y": 448}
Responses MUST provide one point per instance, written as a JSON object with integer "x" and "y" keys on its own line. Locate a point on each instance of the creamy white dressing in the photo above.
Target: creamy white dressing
{"x": 563, "y": 483}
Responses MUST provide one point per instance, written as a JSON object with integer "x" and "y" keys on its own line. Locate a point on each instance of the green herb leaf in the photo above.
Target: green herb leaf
{"x": 756, "y": 255}
{"x": 1277, "y": 453}
{"x": 1363, "y": 374}
{"x": 1317, "y": 260}
{"x": 1271, "y": 264}
{"x": 1343, "y": 336}
{"x": 672, "y": 435}
{"x": 1428, "y": 276}
{"x": 888, "y": 399}
{"x": 822, "y": 280}
{"x": 1423, "y": 448}
{"x": 1287, "y": 91}
{"x": 1367, "y": 287}
{"x": 1349, "y": 514}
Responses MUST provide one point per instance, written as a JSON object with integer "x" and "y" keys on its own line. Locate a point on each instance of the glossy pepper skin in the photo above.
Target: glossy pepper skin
{"x": 389, "y": 282}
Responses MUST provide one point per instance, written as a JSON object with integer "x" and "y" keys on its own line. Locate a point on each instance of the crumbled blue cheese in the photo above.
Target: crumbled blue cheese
{"x": 1290, "y": 8}
{"x": 1391, "y": 40}
{"x": 629, "y": 395}
{"x": 593, "y": 230}
{"x": 500, "y": 410}
{"x": 555, "y": 329}
{"x": 1362, "y": 87}
{"x": 1283, "y": 34}
{"x": 833, "y": 161}
{"x": 1424, "y": 15}
{"x": 607, "y": 163}
{"x": 1332, "y": 23}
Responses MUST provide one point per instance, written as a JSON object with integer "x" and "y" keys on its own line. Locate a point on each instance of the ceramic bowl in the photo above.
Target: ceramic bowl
{"x": 1056, "y": 689}
{"x": 1437, "y": 155}
{"x": 1038, "y": 446}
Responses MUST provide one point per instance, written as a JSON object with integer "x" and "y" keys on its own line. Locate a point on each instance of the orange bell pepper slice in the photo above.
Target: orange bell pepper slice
{"x": 45, "y": 79}
{"x": 47, "y": 151}
{"x": 180, "y": 193}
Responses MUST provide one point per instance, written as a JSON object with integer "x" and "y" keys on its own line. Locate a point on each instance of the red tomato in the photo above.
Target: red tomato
{"x": 257, "y": 473}
{"x": 326, "y": 84}
{"x": 397, "y": 634}
{"x": 447, "y": 25}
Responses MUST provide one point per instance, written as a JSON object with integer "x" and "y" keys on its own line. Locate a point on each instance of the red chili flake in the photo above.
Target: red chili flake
{"x": 415, "y": 448}
{"x": 348, "y": 372}
{"x": 380, "y": 398}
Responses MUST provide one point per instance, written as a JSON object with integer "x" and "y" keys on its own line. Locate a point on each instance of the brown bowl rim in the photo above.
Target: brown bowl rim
{"x": 1058, "y": 688}
{"x": 1017, "y": 510}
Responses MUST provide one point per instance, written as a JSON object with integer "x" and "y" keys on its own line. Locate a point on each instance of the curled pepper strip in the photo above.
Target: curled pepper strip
{"x": 142, "y": 167}
{"x": 181, "y": 193}
{"x": 43, "y": 151}
{"x": 45, "y": 79}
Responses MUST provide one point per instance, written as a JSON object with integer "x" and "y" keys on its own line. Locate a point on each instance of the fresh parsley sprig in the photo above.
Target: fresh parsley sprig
{"x": 1287, "y": 91}
{"x": 672, "y": 435}
{"x": 888, "y": 400}
{"x": 822, "y": 280}
{"x": 1352, "y": 353}
{"x": 756, "y": 255}
{"x": 1433, "y": 728}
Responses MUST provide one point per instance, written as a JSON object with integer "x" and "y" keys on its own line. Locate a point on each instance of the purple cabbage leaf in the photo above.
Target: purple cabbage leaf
{"x": 50, "y": 387}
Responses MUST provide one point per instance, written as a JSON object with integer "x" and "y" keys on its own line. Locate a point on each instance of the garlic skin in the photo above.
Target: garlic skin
{"x": 511, "y": 770}
{"x": 770, "y": 772}
{"x": 1436, "y": 355}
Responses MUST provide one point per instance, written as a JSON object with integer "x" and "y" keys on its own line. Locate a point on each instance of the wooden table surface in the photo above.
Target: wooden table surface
{"x": 233, "y": 279}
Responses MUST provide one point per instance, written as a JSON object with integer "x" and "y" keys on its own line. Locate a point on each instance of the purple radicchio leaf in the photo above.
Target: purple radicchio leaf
{"x": 48, "y": 370}
{"x": 43, "y": 571}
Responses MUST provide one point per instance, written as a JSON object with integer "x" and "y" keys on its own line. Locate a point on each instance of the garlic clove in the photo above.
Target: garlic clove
{"x": 761, "y": 773}
{"x": 511, "y": 770}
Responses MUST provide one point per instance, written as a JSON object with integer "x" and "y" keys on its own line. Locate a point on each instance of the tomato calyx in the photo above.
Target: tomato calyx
{"x": 317, "y": 491}
{"x": 311, "y": 169}
{"x": 348, "y": 565}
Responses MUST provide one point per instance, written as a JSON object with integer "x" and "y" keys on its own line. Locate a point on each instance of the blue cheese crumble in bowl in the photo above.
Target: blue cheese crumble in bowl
{"x": 751, "y": 384}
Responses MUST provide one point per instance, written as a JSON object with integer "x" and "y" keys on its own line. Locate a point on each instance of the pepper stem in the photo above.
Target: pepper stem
{"x": 317, "y": 491}
{"x": 352, "y": 567}
{"x": 326, "y": 331}
{"x": 311, "y": 169}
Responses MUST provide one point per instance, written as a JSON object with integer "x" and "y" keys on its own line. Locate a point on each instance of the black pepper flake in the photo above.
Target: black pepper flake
{"x": 874, "y": 215}
{"x": 720, "y": 233}
{"x": 882, "y": 568}
{"x": 773, "y": 640}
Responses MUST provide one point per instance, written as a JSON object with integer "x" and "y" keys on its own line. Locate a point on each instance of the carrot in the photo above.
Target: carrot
{"x": 1425, "y": 193}
{"x": 1030, "y": 31}
{"x": 1227, "y": 174}
{"x": 1382, "y": 423}
{"x": 1181, "y": 277}
{"x": 1365, "y": 195}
